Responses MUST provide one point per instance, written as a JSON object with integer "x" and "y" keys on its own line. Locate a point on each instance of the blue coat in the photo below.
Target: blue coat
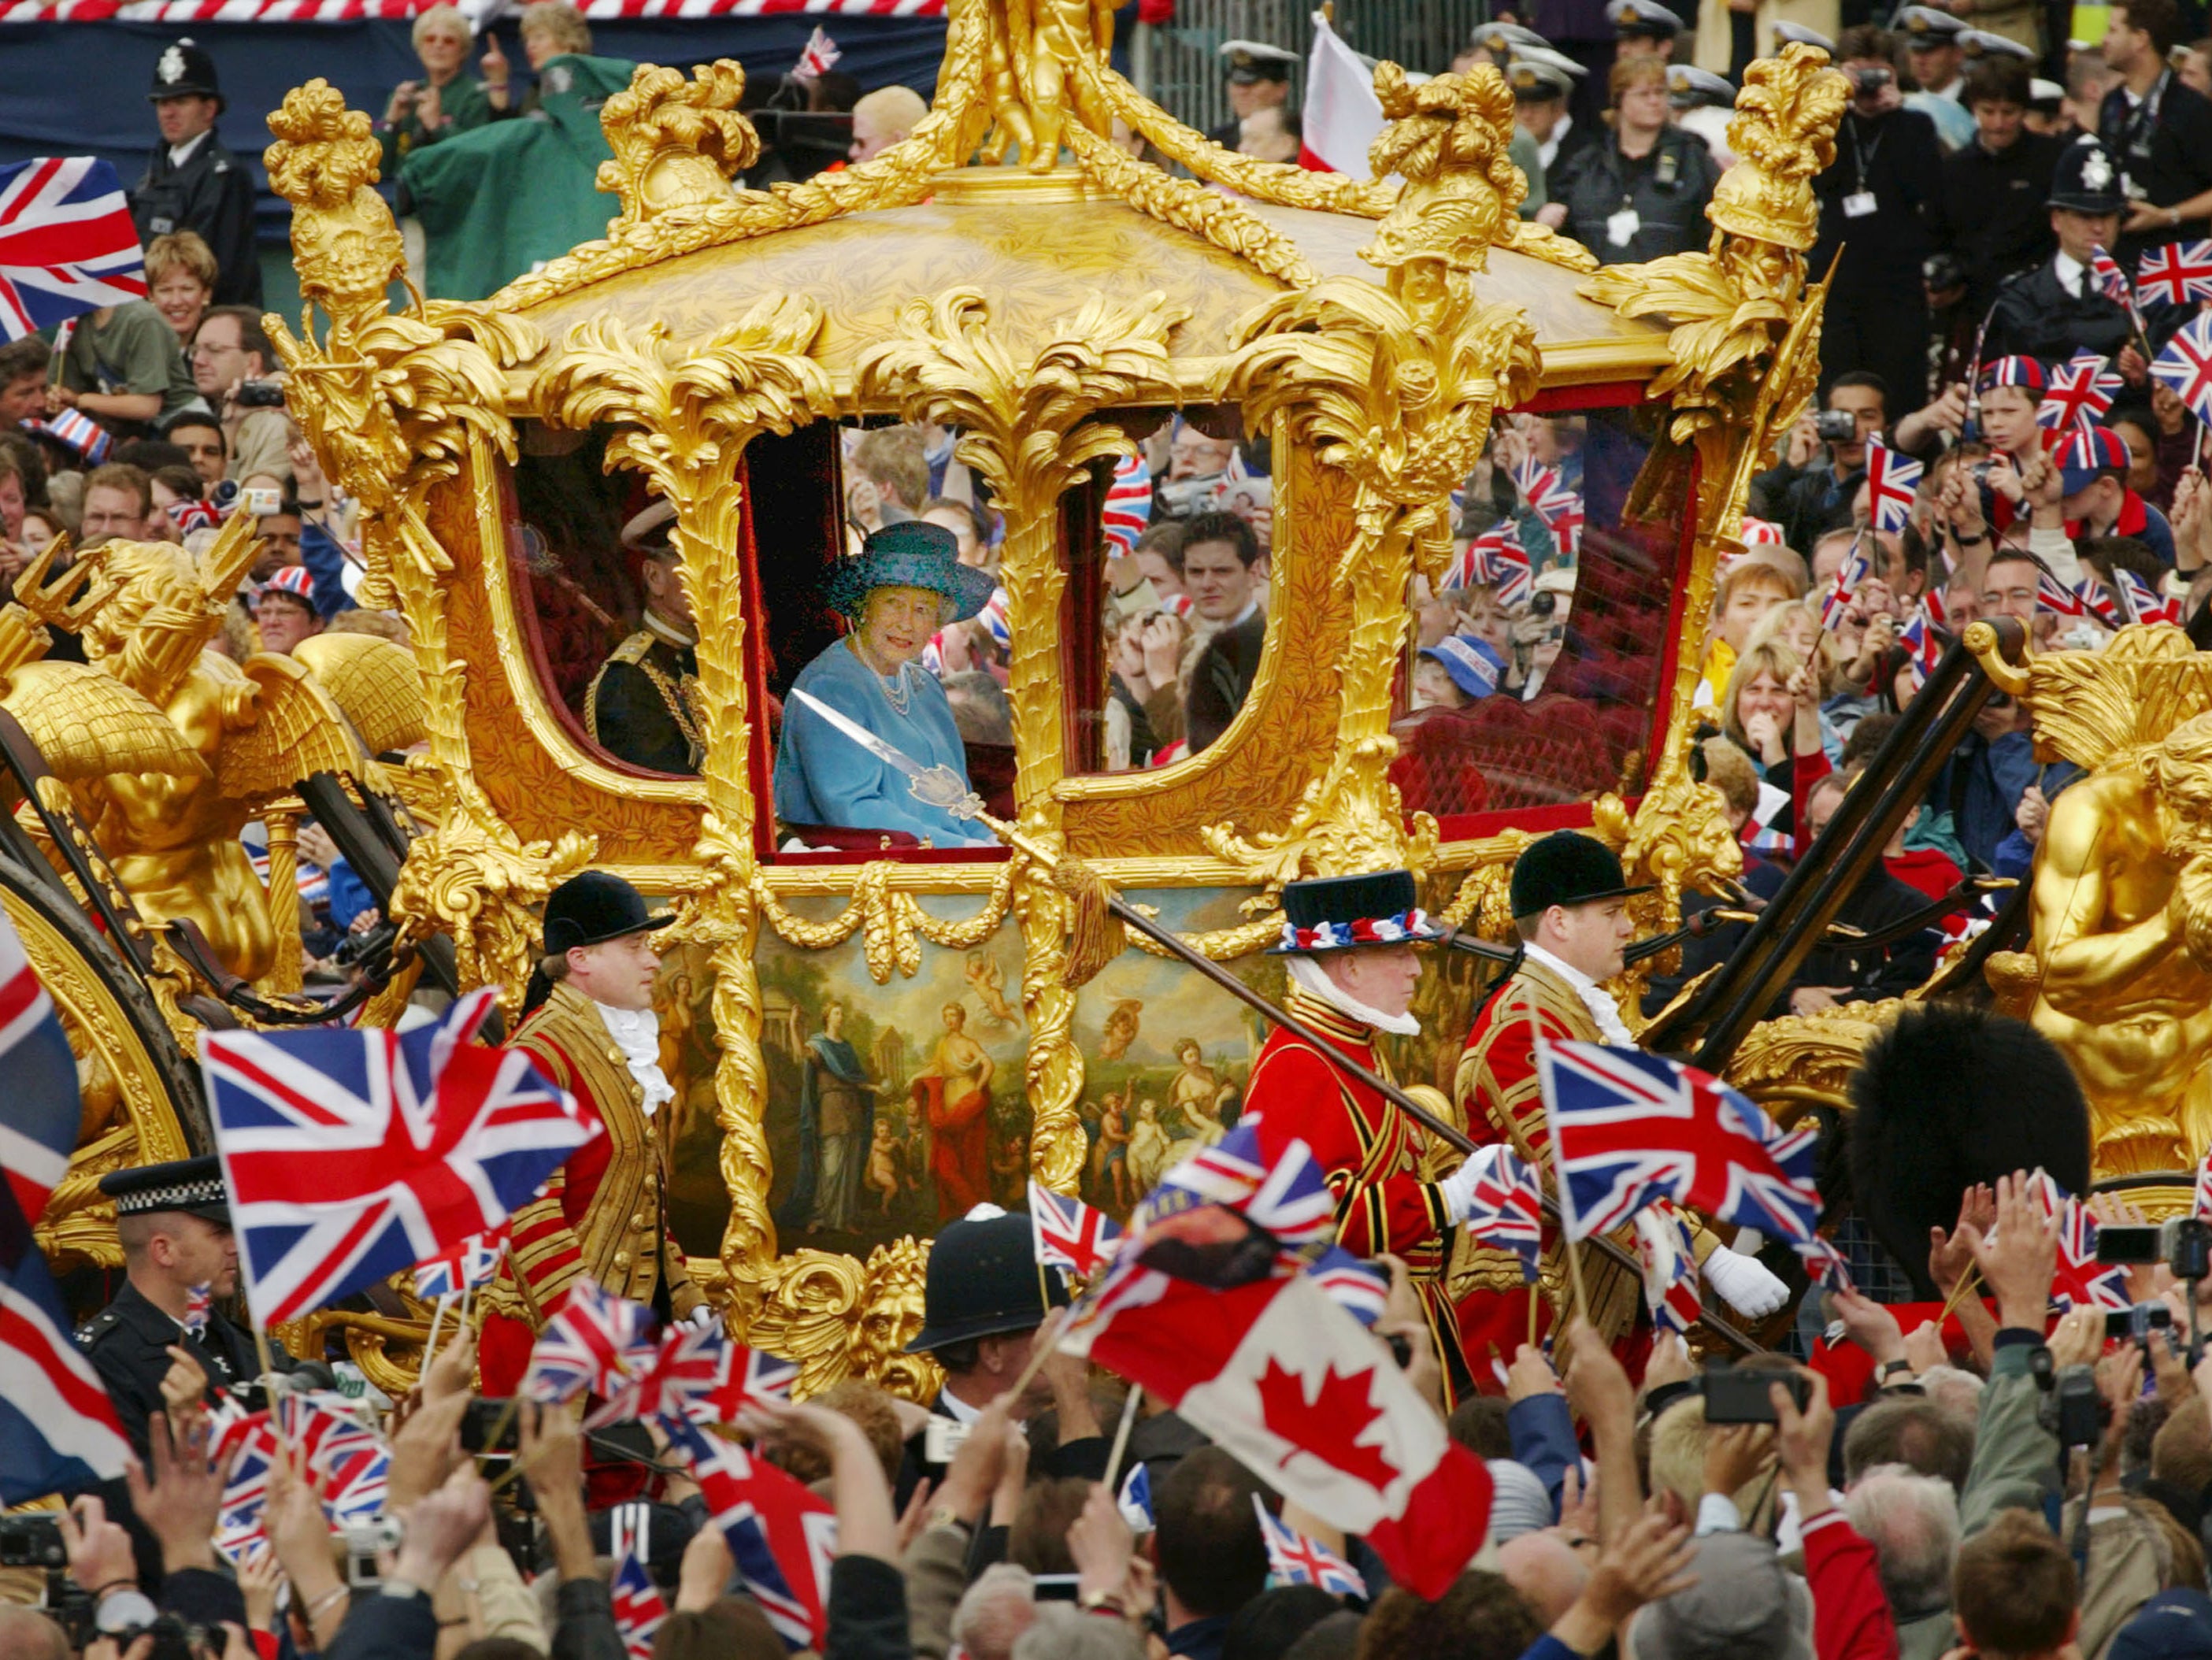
{"x": 823, "y": 777}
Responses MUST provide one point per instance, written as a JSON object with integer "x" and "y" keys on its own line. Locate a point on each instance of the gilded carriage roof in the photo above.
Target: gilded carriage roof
{"x": 1040, "y": 248}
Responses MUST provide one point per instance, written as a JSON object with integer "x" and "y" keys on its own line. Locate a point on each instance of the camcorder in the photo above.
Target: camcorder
{"x": 2183, "y": 1243}
{"x": 1836, "y": 426}
{"x": 31, "y": 1540}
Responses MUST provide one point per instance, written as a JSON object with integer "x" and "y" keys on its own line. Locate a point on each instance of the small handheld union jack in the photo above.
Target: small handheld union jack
{"x": 2096, "y": 601}
{"x": 1923, "y": 649}
{"x": 1294, "y": 1559}
{"x": 1069, "y": 1234}
{"x": 2055, "y": 596}
{"x": 2185, "y": 366}
{"x": 588, "y": 1347}
{"x": 1493, "y": 559}
{"x": 1836, "y": 603}
{"x": 639, "y": 1608}
{"x": 2111, "y": 282}
{"x": 997, "y": 618}
{"x": 695, "y": 1372}
{"x": 1549, "y": 497}
{"x": 1128, "y": 507}
{"x": 2176, "y": 273}
{"x": 1290, "y": 1198}
{"x": 1361, "y": 1291}
{"x": 1508, "y": 1208}
{"x": 2080, "y": 1281}
{"x": 1891, "y": 481}
{"x": 472, "y": 1262}
{"x": 1670, "y": 1268}
{"x": 197, "y": 1301}
{"x": 819, "y": 57}
{"x": 2146, "y": 604}
{"x": 2080, "y": 394}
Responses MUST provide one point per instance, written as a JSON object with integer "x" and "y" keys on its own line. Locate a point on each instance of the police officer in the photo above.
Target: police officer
{"x": 174, "y": 1222}
{"x": 1258, "y": 77}
{"x": 643, "y": 705}
{"x": 1932, "y": 51}
{"x": 2056, "y": 309}
{"x": 193, "y": 183}
{"x": 983, "y": 1300}
{"x": 1540, "y": 89}
{"x": 1643, "y": 29}
{"x": 1704, "y": 103}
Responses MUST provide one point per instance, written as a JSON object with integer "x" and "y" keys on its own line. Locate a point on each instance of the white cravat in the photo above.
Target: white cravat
{"x": 1307, "y": 976}
{"x": 1602, "y": 1009}
{"x": 637, "y": 1033}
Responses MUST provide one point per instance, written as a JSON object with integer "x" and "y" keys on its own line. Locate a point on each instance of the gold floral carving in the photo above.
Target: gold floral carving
{"x": 839, "y": 1317}
{"x": 397, "y": 400}
{"x": 1679, "y": 841}
{"x": 678, "y": 144}
{"x": 682, "y": 414}
{"x": 1028, "y": 430}
{"x": 894, "y": 922}
{"x": 1797, "y": 1062}
{"x": 1746, "y": 328}
{"x": 1395, "y": 387}
{"x": 1190, "y": 206}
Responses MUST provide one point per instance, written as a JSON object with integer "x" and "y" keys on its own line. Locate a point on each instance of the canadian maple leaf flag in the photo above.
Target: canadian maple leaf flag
{"x": 1284, "y": 1378}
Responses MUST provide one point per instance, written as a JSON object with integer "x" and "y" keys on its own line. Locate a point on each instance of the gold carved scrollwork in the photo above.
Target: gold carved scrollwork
{"x": 839, "y": 1317}
{"x": 397, "y": 400}
{"x": 1797, "y": 1062}
{"x": 1394, "y": 386}
{"x": 678, "y": 144}
{"x": 682, "y": 414}
{"x": 895, "y": 921}
{"x": 1026, "y": 429}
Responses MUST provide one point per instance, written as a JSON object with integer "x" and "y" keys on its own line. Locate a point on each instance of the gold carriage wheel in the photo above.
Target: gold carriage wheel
{"x": 143, "y": 1100}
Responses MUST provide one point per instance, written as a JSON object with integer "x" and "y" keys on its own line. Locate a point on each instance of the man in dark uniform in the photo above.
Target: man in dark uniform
{"x": 1258, "y": 77}
{"x": 983, "y": 1302}
{"x": 2160, "y": 130}
{"x": 1992, "y": 212}
{"x": 193, "y": 183}
{"x": 643, "y": 704}
{"x": 174, "y": 1222}
{"x": 1540, "y": 108}
{"x": 2056, "y": 309}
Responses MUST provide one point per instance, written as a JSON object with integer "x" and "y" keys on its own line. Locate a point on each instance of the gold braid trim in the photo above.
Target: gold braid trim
{"x": 1221, "y": 945}
{"x": 895, "y": 921}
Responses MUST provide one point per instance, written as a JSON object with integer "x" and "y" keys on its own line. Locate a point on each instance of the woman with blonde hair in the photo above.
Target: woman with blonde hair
{"x": 180, "y": 276}
{"x": 1640, "y": 192}
{"x": 445, "y": 101}
{"x": 551, "y": 28}
{"x": 1772, "y": 712}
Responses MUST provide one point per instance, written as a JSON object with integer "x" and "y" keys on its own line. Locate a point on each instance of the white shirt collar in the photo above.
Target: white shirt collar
{"x": 2069, "y": 271}
{"x": 1595, "y": 997}
{"x": 180, "y": 154}
{"x": 637, "y": 1033}
{"x": 958, "y": 1410}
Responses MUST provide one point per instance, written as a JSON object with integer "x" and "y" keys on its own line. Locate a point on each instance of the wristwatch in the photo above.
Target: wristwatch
{"x": 944, "y": 1516}
{"x": 1891, "y": 1368}
{"x": 1102, "y": 1601}
{"x": 127, "y": 1610}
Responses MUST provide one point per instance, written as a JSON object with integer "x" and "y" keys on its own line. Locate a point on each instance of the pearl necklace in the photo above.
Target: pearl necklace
{"x": 898, "y": 691}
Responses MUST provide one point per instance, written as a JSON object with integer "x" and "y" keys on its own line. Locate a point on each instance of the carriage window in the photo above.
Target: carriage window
{"x": 1537, "y": 664}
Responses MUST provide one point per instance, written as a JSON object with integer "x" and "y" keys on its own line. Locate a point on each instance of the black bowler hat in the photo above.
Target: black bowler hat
{"x": 2087, "y": 179}
{"x": 186, "y": 1184}
{"x": 1343, "y": 913}
{"x": 592, "y": 907}
{"x": 985, "y": 1281}
{"x": 183, "y": 70}
{"x": 1567, "y": 868}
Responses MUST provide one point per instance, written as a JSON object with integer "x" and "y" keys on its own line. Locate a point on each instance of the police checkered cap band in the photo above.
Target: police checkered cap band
{"x": 180, "y": 1196}
{"x": 2022, "y": 372}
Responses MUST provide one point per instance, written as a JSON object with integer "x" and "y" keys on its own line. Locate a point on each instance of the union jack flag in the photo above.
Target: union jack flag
{"x": 1128, "y": 502}
{"x": 2099, "y": 603}
{"x": 2080, "y": 394}
{"x": 1935, "y": 607}
{"x": 819, "y": 58}
{"x": 1291, "y": 1198}
{"x": 1134, "y": 1501}
{"x": 1069, "y": 1234}
{"x": 472, "y": 1262}
{"x": 589, "y": 1347}
{"x": 197, "y": 1301}
{"x": 1891, "y": 481}
{"x": 1294, "y": 1559}
{"x": 67, "y": 245}
{"x": 2185, "y": 365}
{"x": 639, "y": 1609}
{"x": 1670, "y": 1268}
{"x": 2146, "y": 604}
{"x": 1925, "y": 650}
{"x": 995, "y": 617}
{"x": 346, "y": 1461}
{"x": 1361, "y": 1291}
{"x": 189, "y": 516}
{"x": 58, "y": 1429}
{"x": 1836, "y": 603}
{"x": 2111, "y": 282}
{"x": 1508, "y": 1208}
{"x": 2080, "y": 1279}
{"x": 782, "y": 1537}
{"x": 1629, "y": 1128}
{"x": 1550, "y": 501}
{"x": 2176, "y": 273}
{"x": 354, "y": 1155}
{"x": 695, "y": 1371}
{"x": 2055, "y": 596}
{"x": 78, "y": 431}
{"x": 1493, "y": 559}
{"x": 2201, "y": 1204}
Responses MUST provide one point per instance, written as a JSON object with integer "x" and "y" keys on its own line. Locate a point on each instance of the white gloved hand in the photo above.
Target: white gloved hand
{"x": 1744, "y": 1283}
{"x": 1458, "y": 1188}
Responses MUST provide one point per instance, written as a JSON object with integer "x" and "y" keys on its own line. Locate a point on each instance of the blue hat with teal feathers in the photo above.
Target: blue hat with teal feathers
{"x": 911, "y": 555}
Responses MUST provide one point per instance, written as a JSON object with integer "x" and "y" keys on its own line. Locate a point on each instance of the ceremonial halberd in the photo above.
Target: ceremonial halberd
{"x": 1051, "y": 307}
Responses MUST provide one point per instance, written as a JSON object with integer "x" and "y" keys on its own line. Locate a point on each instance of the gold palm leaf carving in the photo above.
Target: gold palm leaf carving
{"x": 88, "y": 724}
{"x": 296, "y": 728}
{"x": 376, "y": 684}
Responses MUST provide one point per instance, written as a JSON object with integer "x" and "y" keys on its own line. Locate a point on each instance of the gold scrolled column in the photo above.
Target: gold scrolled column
{"x": 285, "y": 971}
{"x": 1025, "y": 428}
{"x": 682, "y": 414}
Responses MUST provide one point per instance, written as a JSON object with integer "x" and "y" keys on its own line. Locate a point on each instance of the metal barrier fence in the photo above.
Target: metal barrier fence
{"x": 1176, "y": 63}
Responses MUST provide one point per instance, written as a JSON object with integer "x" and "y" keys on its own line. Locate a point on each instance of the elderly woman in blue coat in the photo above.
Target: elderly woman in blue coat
{"x": 905, "y": 584}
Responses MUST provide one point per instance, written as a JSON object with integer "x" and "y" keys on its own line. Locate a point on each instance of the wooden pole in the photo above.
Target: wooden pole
{"x": 1121, "y": 1437}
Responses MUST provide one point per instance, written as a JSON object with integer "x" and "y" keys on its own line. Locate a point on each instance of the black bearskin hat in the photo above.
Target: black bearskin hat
{"x": 1949, "y": 1097}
